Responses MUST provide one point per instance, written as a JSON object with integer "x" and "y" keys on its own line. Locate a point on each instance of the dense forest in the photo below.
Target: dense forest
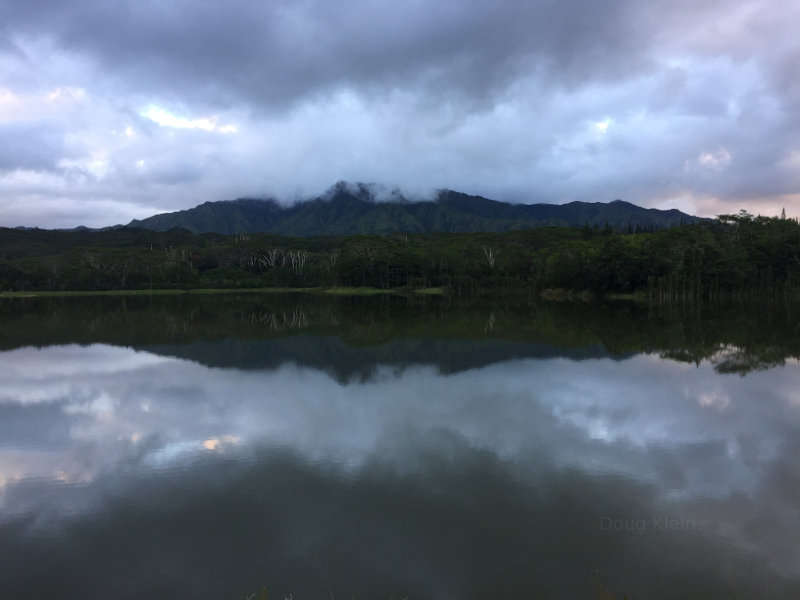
{"x": 731, "y": 256}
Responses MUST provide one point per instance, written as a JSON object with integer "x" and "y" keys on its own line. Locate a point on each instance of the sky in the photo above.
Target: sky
{"x": 111, "y": 111}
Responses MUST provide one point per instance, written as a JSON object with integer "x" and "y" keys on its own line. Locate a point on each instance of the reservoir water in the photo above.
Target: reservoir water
{"x": 214, "y": 446}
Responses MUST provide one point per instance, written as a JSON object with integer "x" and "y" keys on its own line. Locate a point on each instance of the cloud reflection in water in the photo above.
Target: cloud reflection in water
{"x": 79, "y": 424}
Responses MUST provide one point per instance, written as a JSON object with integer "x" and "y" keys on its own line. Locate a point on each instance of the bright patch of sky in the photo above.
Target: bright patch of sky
{"x": 167, "y": 119}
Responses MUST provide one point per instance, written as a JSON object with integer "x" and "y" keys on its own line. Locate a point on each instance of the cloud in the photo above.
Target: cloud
{"x": 36, "y": 146}
{"x": 277, "y": 53}
{"x": 501, "y": 99}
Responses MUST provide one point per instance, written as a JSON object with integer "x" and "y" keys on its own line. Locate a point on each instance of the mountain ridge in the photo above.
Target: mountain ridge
{"x": 351, "y": 209}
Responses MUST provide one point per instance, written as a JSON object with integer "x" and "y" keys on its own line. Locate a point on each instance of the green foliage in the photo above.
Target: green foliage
{"x": 735, "y": 256}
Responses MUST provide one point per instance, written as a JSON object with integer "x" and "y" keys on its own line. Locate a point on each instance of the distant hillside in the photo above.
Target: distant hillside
{"x": 348, "y": 209}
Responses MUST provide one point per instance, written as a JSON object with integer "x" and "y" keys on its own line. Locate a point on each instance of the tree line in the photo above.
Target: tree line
{"x": 734, "y": 338}
{"x": 733, "y": 255}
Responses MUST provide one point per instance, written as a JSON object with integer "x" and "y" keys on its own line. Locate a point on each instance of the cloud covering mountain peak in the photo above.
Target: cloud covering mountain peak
{"x": 120, "y": 111}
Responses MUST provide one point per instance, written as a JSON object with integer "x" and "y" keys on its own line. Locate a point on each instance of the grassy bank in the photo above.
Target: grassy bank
{"x": 337, "y": 291}
{"x": 166, "y": 292}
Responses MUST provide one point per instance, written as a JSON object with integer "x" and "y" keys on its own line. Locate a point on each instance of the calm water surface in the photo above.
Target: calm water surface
{"x": 185, "y": 448}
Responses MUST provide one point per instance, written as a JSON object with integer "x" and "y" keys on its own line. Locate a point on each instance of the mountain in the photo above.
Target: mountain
{"x": 347, "y": 209}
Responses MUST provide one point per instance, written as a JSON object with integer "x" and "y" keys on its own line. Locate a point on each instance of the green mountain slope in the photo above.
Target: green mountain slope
{"x": 348, "y": 209}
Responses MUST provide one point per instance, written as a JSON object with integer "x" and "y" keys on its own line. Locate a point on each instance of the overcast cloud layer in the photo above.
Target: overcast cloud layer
{"x": 114, "y": 111}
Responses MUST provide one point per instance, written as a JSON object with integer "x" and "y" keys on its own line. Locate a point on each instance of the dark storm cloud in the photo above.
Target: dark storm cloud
{"x": 274, "y": 54}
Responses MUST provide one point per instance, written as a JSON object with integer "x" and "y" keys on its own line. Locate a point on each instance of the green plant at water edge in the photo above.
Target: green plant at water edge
{"x": 261, "y": 596}
{"x": 602, "y": 591}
